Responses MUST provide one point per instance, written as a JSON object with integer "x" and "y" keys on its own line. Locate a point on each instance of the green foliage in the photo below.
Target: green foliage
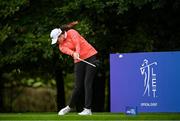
{"x": 8, "y": 8}
{"x": 4, "y": 33}
{"x": 138, "y": 41}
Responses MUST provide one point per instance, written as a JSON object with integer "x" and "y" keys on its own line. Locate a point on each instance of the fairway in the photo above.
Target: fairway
{"x": 94, "y": 117}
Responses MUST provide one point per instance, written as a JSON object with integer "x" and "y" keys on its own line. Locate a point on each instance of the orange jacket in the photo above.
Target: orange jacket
{"x": 74, "y": 42}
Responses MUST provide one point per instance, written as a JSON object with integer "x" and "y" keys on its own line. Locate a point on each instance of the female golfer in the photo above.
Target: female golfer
{"x": 70, "y": 42}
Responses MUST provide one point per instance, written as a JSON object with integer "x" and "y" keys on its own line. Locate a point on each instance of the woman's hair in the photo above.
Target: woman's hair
{"x": 68, "y": 26}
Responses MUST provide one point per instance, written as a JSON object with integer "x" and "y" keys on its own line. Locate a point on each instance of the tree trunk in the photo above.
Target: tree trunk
{"x": 1, "y": 93}
{"x": 60, "y": 88}
{"x": 59, "y": 79}
{"x": 99, "y": 92}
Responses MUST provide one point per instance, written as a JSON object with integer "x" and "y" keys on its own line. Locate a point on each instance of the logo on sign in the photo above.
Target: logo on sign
{"x": 131, "y": 110}
{"x": 147, "y": 70}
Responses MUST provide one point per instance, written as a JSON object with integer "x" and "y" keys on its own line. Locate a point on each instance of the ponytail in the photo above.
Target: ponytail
{"x": 68, "y": 26}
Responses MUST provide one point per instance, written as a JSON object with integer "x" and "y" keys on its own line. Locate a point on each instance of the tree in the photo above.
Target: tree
{"x": 7, "y": 11}
{"x": 25, "y": 44}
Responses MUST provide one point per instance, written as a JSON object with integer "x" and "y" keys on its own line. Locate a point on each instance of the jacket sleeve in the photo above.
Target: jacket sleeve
{"x": 76, "y": 40}
{"x": 66, "y": 50}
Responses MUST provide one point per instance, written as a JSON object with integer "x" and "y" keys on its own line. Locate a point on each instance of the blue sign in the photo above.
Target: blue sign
{"x": 148, "y": 81}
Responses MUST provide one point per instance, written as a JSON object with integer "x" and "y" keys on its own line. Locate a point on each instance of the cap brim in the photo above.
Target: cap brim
{"x": 53, "y": 41}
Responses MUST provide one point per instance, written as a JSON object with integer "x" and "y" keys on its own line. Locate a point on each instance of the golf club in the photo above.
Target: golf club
{"x": 87, "y": 62}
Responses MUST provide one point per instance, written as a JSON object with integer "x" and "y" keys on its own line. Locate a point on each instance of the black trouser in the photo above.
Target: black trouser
{"x": 84, "y": 76}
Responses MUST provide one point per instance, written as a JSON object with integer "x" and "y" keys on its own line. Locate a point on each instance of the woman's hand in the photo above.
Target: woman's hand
{"x": 76, "y": 55}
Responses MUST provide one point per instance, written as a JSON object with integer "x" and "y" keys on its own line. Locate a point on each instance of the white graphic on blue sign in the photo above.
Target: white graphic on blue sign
{"x": 131, "y": 110}
{"x": 147, "y": 71}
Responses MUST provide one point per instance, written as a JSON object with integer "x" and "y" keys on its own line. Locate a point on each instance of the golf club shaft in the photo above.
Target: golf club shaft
{"x": 87, "y": 62}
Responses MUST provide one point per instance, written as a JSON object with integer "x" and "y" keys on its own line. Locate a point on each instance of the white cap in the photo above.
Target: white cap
{"x": 55, "y": 34}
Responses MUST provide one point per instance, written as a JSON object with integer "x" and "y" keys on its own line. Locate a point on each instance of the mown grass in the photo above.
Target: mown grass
{"x": 95, "y": 116}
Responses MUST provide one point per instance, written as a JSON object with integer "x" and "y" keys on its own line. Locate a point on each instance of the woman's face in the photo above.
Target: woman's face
{"x": 61, "y": 38}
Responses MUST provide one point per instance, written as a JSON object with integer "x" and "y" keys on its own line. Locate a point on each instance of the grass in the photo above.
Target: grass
{"x": 94, "y": 117}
